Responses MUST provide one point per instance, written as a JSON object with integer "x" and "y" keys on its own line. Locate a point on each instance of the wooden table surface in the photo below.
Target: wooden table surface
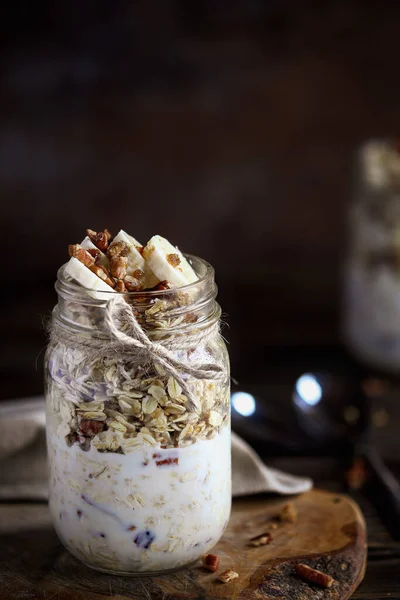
{"x": 382, "y": 578}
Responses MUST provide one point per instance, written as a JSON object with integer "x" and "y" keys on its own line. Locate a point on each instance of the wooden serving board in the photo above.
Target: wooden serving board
{"x": 329, "y": 535}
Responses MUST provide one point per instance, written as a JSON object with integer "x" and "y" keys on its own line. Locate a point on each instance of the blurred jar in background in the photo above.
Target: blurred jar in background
{"x": 371, "y": 312}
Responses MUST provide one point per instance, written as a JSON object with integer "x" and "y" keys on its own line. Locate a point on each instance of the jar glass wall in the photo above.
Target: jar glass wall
{"x": 371, "y": 321}
{"x": 140, "y": 477}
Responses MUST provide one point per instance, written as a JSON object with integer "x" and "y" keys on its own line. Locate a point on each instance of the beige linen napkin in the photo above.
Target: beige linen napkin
{"x": 23, "y": 469}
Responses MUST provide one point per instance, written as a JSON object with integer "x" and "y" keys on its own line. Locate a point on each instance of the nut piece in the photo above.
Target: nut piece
{"x": 227, "y": 576}
{"x": 314, "y": 576}
{"x": 90, "y": 427}
{"x": 261, "y": 540}
{"x": 95, "y": 252}
{"x": 117, "y": 249}
{"x": 210, "y": 562}
{"x": 132, "y": 284}
{"x": 99, "y": 239}
{"x": 288, "y": 513}
{"x": 103, "y": 274}
{"x": 118, "y": 266}
{"x": 81, "y": 254}
{"x": 120, "y": 287}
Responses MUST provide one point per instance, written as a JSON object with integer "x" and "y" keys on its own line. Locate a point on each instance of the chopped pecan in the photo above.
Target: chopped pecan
{"x": 81, "y": 254}
{"x": 99, "y": 239}
{"x": 173, "y": 259}
{"x": 120, "y": 287}
{"x": 313, "y": 575}
{"x": 140, "y": 249}
{"x": 95, "y": 252}
{"x": 228, "y": 575}
{"x": 118, "y": 265}
{"x": 138, "y": 273}
{"x": 288, "y": 513}
{"x": 90, "y": 427}
{"x": 103, "y": 274}
{"x": 108, "y": 235}
{"x": 132, "y": 284}
{"x": 210, "y": 562}
{"x": 117, "y": 249}
{"x": 261, "y": 540}
{"x": 160, "y": 287}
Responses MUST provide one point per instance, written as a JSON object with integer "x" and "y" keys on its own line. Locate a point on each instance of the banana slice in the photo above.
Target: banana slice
{"x": 168, "y": 263}
{"x": 136, "y": 261}
{"x": 88, "y": 245}
{"x": 75, "y": 269}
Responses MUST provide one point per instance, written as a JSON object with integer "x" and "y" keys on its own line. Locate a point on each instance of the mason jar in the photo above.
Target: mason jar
{"x": 371, "y": 311}
{"x": 138, "y": 424}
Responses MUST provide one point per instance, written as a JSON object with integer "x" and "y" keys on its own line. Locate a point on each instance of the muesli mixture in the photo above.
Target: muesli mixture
{"x": 140, "y": 475}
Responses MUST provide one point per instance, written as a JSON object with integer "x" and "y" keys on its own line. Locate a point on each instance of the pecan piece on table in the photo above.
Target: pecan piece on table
{"x": 210, "y": 562}
{"x": 228, "y": 575}
{"x": 288, "y": 513}
{"x": 313, "y": 575}
{"x": 261, "y": 540}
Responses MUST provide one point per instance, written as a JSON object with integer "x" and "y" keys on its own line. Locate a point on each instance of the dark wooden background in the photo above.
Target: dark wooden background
{"x": 228, "y": 127}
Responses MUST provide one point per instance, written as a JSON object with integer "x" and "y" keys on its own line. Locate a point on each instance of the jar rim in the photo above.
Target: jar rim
{"x": 209, "y": 273}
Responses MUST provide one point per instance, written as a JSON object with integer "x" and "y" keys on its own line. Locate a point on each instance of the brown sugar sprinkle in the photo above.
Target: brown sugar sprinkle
{"x": 173, "y": 259}
{"x": 90, "y": 427}
{"x": 288, "y": 513}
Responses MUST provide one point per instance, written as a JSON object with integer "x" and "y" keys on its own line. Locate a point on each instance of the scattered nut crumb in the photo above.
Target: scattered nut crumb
{"x": 313, "y": 575}
{"x": 357, "y": 475}
{"x": 210, "y": 562}
{"x": 288, "y": 513}
{"x": 261, "y": 540}
{"x": 227, "y": 576}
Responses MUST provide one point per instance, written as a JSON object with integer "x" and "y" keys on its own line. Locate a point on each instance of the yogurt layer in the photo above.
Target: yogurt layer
{"x": 149, "y": 510}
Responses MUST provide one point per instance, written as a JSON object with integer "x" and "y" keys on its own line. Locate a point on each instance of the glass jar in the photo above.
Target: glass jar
{"x": 371, "y": 320}
{"x": 140, "y": 473}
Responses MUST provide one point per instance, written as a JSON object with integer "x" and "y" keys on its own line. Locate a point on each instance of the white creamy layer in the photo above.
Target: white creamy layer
{"x": 151, "y": 509}
{"x": 372, "y": 314}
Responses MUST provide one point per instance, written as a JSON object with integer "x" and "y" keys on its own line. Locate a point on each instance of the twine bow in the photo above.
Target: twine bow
{"x": 119, "y": 312}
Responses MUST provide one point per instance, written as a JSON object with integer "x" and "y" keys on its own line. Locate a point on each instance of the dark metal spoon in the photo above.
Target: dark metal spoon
{"x": 334, "y": 410}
